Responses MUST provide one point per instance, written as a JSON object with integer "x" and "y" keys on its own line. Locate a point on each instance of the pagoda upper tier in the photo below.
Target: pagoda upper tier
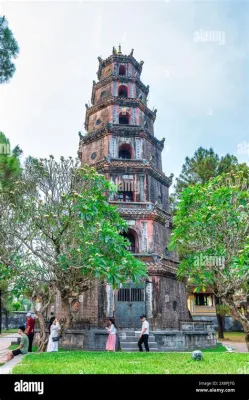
{"x": 119, "y": 97}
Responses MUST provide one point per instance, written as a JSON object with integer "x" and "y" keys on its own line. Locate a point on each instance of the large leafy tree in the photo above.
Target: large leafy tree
{"x": 212, "y": 231}
{"x": 204, "y": 165}
{"x": 61, "y": 235}
{"x": 8, "y": 50}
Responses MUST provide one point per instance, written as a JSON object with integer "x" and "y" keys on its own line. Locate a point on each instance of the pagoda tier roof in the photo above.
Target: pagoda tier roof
{"x": 122, "y": 165}
{"x": 120, "y": 101}
{"x": 119, "y": 130}
{"x": 121, "y": 79}
{"x": 138, "y": 210}
{"x": 158, "y": 265}
{"x": 120, "y": 58}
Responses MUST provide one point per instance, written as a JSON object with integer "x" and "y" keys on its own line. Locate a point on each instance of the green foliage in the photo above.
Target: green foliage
{"x": 8, "y": 50}
{"x": 16, "y": 306}
{"x": 222, "y": 310}
{"x": 75, "y": 362}
{"x": 62, "y": 233}
{"x": 212, "y": 230}
{"x": 10, "y": 166}
{"x": 204, "y": 165}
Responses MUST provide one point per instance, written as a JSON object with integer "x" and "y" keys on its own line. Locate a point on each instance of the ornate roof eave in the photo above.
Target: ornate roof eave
{"x": 121, "y": 58}
{"x": 124, "y": 102}
{"x": 158, "y": 266}
{"x": 126, "y": 130}
{"x": 104, "y": 166}
{"x": 156, "y": 214}
{"x": 121, "y": 79}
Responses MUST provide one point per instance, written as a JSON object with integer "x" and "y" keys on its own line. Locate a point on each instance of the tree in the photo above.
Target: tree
{"x": 10, "y": 165}
{"x": 205, "y": 164}
{"x": 212, "y": 230}
{"x": 8, "y": 50}
{"x": 61, "y": 235}
{"x": 10, "y": 171}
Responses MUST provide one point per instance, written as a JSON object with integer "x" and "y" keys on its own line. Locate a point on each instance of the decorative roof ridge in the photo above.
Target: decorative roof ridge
{"x": 114, "y": 76}
{"x": 115, "y": 99}
{"x": 154, "y": 172}
{"x": 117, "y": 56}
{"x": 110, "y": 128}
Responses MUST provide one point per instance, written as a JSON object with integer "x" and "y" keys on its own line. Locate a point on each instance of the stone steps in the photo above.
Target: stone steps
{"x": 129, "y": 339}
{"x": 133, "y": 345}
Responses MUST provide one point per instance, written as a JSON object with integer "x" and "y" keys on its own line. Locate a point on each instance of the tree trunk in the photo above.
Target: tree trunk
{"x": 42, "y": 340}
{"x": 65, "y": 317}
{"x": 236, "y": 314}
{"x": 7, "y": 320}
{"x": 220, "y": 319}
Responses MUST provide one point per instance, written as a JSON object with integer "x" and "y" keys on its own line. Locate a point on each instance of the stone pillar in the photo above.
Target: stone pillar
{"x": 113, "y": 147}
{"x": 148, "y": 299}
{"x": 141, "y": 187}
{"x": 144, "y": 237}
{"x": 109, "y": 301}
{"x": 138, "y": 148}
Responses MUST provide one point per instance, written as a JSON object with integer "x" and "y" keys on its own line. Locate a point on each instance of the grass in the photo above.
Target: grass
{"x": 80, "y": 362}
{"x": 34, "y": 349}
{"x": 218, "y": 349}
{"x": 238, "y": 337}
{"x": 7, "y": 331}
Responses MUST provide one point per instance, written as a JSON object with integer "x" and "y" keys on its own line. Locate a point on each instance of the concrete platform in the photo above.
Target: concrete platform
{"x": 7, "y": 367}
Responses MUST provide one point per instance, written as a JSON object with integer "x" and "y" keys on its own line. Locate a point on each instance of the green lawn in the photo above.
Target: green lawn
{"x": 8, "y": 332}
{"x": 238, "y": 337}
{"x": 79, "y": 362}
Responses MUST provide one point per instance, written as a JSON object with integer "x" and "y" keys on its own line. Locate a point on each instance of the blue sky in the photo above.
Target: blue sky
{"x": 195, "y": 61}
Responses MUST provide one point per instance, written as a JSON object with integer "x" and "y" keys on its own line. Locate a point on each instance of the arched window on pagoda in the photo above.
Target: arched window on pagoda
{"x": 125, "y": 151}
{"x": 124, "y": 118}
{"x": 122, "y": 70}
{"x": 131, "y": 236}
{"x": 123, "y": 91}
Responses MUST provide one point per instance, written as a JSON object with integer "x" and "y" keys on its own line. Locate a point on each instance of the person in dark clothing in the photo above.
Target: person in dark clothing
{"x": 30, "y": 326}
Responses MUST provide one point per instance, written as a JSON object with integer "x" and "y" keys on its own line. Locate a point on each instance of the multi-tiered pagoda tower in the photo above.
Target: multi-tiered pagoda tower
{"x": 120, "y": 143}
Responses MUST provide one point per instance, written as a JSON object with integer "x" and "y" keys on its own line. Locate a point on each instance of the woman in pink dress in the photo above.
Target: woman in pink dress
{"x": 111, "y": 341}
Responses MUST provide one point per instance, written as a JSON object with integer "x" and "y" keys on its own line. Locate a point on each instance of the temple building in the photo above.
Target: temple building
{"x": 120, "y": 142}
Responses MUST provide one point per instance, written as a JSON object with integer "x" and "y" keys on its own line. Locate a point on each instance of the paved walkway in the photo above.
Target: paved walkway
{"x": 7, "y": 368}
{"x": 237, "y": 347}
{"x": 5, "y": 342}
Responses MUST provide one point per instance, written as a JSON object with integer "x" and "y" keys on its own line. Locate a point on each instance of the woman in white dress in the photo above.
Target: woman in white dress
{"x": 54, "y": 333}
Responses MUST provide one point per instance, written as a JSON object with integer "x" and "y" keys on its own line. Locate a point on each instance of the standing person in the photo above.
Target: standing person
{"x": 30, "y": 326}
{"x": 50, "y": 324}
{"x": 144, "y": 336}
{"x": 23, "y": 347}
{"x": 54, "y": 336}
{"x": 111, "y": 341}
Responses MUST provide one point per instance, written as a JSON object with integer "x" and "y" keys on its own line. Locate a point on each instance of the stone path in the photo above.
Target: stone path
{"x": 7, "y": 368}
{"x": 5, "y": 342}
{"x": 237, "y": 347}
